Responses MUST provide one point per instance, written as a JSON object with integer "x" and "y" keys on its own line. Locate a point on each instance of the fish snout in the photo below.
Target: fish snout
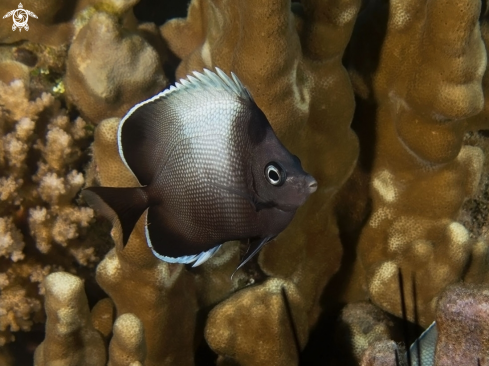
{"x": 311, "y": 184}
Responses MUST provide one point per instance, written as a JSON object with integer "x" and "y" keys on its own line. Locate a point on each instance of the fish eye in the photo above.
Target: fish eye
{"x": 275, "y": 174}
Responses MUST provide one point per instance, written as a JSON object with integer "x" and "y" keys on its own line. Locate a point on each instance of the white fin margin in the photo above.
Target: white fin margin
{"x": 203, "y": 257}
{"x": 206, "y": 82}
{"x": 197, "y": 258}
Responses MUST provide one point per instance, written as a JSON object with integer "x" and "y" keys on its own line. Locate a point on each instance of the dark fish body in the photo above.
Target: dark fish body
{"x": 211, "y": 170}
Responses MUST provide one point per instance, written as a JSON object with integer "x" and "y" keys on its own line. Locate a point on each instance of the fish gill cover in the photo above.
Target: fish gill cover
{"x": 383, "y": 101}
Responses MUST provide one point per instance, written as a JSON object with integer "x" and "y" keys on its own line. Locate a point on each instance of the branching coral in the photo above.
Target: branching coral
{"x": 39, "y": 150}
{"x": 42, "y": 150}
{"x": 45, "y": 196}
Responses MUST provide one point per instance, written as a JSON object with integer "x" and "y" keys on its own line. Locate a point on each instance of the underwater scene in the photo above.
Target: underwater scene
{"x": 244, "y": 182}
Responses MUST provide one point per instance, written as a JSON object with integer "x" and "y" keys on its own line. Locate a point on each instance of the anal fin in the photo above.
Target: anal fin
{"x": 203, "y": 257}
{"x": 186, "y": 259}
{"x": 167, "y": 245}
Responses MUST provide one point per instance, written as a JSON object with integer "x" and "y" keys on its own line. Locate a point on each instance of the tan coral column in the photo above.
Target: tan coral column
{"x": 71, "y": 338}
{"x": 417, "y": 83}
{"x": 291, "y": 63}
{"x": 160, "y": 294}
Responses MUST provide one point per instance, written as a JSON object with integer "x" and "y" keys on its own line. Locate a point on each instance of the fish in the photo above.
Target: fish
{"x": 210, "y": 169}
{"x": 423, "y": 349}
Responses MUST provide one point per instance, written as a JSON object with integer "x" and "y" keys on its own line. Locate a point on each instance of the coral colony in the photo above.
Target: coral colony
{"x": 384, "y": 103}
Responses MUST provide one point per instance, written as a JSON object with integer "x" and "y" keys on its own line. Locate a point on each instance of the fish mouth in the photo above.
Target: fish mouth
{"x": 304, "y": 189}
{"x": 311, "y": 184}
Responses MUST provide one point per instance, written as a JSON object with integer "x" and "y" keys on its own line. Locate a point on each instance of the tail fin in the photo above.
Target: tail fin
{"x": 125, "y": 204}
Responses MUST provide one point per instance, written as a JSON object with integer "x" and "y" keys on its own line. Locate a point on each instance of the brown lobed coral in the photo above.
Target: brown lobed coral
{"x": 418, "y": 83}
{"x": 292, "y": 66}
{"x": 103, "y": 72}
{"x": 68, "y": 325}
{"x": 76, "y": 337}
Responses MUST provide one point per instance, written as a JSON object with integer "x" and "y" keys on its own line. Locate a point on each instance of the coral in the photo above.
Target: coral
{"x": 42, "y": 193}
{"x": 273, "y": 312}
{"x": 160, "y": 294}
{"x": 72, "y": 333}
{"x": 43, "y": 149}
{"x": 127, "y": 346}
{"x": 19, "y": 298}
{"x": 462, "y": 318}
{"x": 460, "y": 336}
{"x": 58, "y": 21}
{"x": 362, "y": 325}
{"x": 411, "y": 121}
{"x": 475, "y": 216}
{"x": 103, "y": 72}
{"x": 6, "y": 358}
{"x": 45, "y": 29}
{"x": 481, "y": 120}
{"x": 40, "y": 152}
{"x": 100, "y": 35}
{"x": 382, "y": 353}
{"x": 291, "y": 64}
{"x": 70, "y": 336}
{"x": 103, "y": 315}
{"x": 475, "y": 211}
{"x": 11, "y": 243}
{"x": 38, "y": 66}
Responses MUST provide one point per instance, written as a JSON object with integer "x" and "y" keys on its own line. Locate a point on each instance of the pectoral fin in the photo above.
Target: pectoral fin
{"x": 253, "y": 249}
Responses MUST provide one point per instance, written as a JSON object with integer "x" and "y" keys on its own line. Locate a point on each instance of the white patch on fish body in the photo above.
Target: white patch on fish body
{"x": 233, "y": 87}
{"x": 217, "y": 100}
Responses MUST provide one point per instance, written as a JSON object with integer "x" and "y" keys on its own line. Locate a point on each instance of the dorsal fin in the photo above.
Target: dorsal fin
{"x": 147, "y": 122}
{"x": 215, "y": 81}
